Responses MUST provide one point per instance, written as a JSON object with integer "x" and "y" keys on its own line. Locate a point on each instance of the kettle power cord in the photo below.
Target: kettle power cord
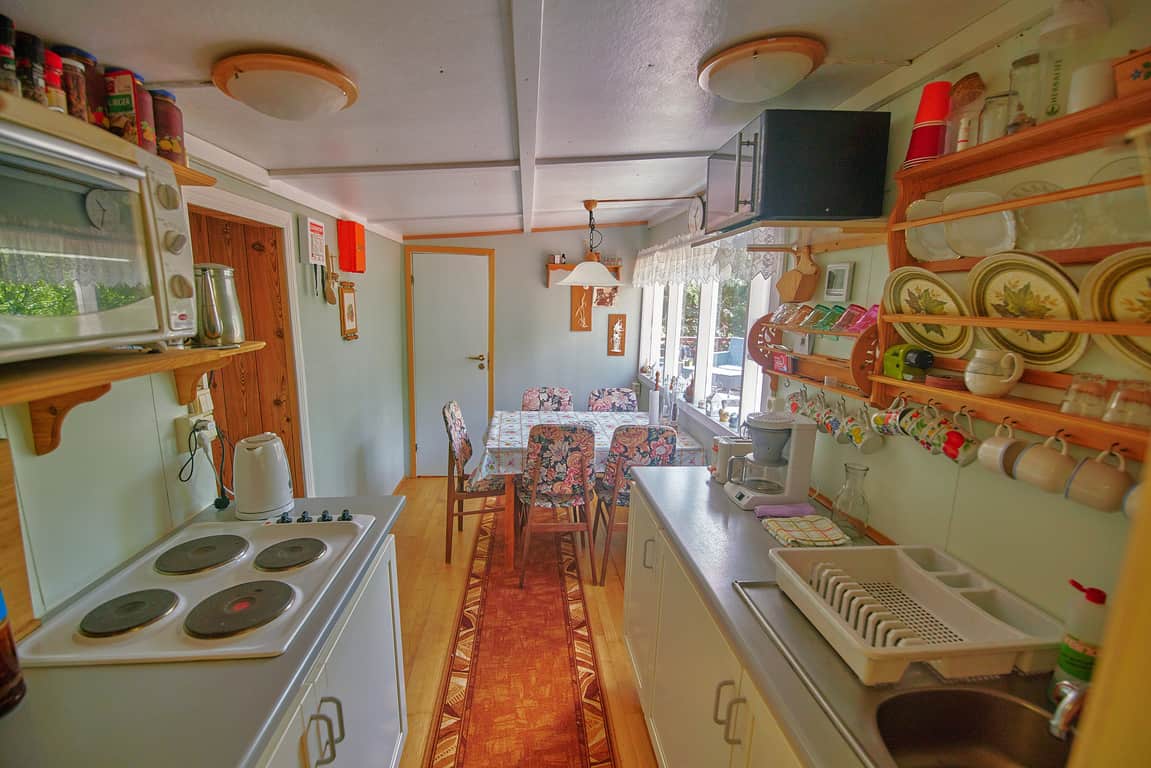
{"x": 200, "y": 440}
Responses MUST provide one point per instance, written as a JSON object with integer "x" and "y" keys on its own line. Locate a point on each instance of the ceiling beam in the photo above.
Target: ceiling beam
{"x": 343, "y": 170}
{"x": 527, "y": 51}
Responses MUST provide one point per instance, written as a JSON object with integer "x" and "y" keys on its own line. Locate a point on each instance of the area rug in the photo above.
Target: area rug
{"x": 521, "y": 687}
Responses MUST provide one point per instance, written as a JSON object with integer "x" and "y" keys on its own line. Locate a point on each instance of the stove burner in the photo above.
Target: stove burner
{"x": 201, "y": 554}
{"x": 128, "y": 612}
{"x": 237, "y": 609}
{"x": 290, "y": 554}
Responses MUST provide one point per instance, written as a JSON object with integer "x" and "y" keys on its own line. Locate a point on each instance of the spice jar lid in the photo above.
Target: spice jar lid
{"x": 160, "y": 93}
{"x": 29, "y": 46}
{"x": 72, "y": 52}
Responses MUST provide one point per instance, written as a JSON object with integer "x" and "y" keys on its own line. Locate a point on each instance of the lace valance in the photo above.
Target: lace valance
{"x": 676, "y": 262}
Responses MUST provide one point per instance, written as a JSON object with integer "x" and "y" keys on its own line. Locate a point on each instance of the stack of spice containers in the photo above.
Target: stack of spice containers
{"x": 9, "y": 83}
{"x": 130, "y": 107}
{"x": 930, "y": 129}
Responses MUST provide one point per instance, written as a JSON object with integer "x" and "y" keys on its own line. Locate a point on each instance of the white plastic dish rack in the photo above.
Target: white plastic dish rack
{"x": 882, "y": 608}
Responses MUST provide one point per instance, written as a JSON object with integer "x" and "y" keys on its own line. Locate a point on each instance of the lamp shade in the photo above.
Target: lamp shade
{"x": 592, "y": 274}
{"x": 285, "y": 87}
{"x": 762, "y": 69}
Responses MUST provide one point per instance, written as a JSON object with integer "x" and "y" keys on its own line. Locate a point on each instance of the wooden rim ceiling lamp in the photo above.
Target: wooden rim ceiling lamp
{"x": 284, "y": 86}
{"x": 761, "y": 70}
{"x": 590, "y": 272}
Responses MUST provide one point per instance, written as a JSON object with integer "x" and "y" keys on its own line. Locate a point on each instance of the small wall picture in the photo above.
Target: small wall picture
{"x": 605, "y": 297}
{"x": 616, "y": 335}
{"x": 581, "y": 308}
{"x": 837, "y": 282}
{"x": 349, "y": 321}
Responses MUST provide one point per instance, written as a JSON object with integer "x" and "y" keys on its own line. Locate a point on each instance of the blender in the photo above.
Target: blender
{"x": 778, "y": 470}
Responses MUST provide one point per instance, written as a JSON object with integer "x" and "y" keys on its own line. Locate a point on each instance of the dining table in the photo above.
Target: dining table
{"x": 506, "y": 442}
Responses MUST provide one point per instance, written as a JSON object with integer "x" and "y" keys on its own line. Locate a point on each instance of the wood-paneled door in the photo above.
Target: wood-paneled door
{"x": 258, "y": 392}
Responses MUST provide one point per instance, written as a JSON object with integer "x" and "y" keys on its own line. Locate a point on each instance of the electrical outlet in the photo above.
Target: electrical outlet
{"x": 202, "y": 404}
{"x": 185, "y": 424}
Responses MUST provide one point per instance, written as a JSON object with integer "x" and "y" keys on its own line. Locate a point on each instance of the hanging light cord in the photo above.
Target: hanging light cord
{"x": 594, "y": 236}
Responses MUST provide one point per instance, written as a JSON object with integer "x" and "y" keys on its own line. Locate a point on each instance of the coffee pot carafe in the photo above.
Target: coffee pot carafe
{"x": 219, "y": 322}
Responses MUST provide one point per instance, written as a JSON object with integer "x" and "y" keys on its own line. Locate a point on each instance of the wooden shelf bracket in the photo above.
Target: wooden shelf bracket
{"x": 47, "y": 415}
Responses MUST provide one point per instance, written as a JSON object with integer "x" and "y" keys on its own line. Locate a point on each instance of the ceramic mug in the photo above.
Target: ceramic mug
{"x": 869, "y": 442}
{"x": 1044, "y": 466}
{"x": 1097, "y": 484}
{"x": 998, "y": 453}
{"x": 955, "y": 442}
{"x": 916, "y": 419}
{"x": 851, "y": 424}
{"x": 1132, "y": 500}
{"x": 887, "y": 422}
{"x": 795, "y": 402}
{"x": 833, "y": 419}
{"x": 933, "y": 427}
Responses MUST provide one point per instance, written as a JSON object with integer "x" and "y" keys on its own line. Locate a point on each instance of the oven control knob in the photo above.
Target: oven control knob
{"x": 345, "y": 516}
{"x": 285, "y": 517}
{"x": 168, "y": 196}
{"x": 181, "y": 287}
{"x": 325, "y": 516}
{"x": 174, "y": 241}
{"x": 304, "y": 517}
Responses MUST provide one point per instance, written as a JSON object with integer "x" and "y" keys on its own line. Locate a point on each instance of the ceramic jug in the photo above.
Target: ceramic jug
{"x": 993, "y": 372}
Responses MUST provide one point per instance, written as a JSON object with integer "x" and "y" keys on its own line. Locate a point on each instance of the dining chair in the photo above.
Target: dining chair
{"x": 546, "y": 399}
{"x": 612, "y": 399}
{"x": 631, "y": 446}
{"x": 557, "y": 474}
{"x": 463, "y": 486}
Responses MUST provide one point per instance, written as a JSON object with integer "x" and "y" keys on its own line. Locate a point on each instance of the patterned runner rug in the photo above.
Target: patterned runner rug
{"x": 522, "y": 687}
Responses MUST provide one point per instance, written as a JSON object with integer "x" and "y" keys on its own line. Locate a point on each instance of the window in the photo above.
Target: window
{"x": 661, "y": 324}
{"x": 688, "y": 332}
{"x": 725, "y": 389}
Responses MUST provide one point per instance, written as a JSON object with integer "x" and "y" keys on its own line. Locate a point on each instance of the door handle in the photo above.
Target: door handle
{"x": 327, "y": 721}
{"x": 339, "y": 714}
{"x": 481, "y": 366}
{"x": 715, "y": 705}
{"x": 729, "y": 720}
{"x": 477, "y": 357}
{"x": 643, "y": 558}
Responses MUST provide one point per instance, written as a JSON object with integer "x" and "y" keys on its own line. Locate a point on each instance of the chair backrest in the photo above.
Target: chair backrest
{"x": 459, "y": 446}
{"x": 612, "y": 399}
{"x": 547, "y": 399}
{"x": 564, "y": 455}
{"x": 637, "y": 446}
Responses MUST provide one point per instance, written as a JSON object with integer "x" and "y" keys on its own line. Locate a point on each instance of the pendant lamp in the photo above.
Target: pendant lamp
{"x": 590, "y": 272}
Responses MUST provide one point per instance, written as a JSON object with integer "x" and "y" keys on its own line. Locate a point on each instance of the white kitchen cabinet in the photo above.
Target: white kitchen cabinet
{"x": 761, "y": 741}
{"x": 352, "y": 711}
{"x": 641, "y": 593}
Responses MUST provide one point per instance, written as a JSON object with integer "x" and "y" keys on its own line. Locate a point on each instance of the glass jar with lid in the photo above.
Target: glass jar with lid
{"x": 1023, "y": 103}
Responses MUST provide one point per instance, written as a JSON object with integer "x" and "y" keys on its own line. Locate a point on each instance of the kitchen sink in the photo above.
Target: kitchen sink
{"x": 946, "y": 727}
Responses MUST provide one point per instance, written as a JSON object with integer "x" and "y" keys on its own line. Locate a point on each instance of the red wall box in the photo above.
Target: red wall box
{"x": 350, "y": 237}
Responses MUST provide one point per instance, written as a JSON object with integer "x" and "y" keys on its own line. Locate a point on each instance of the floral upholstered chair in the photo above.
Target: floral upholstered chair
{"x": 546, "y": 399}
{"x": 612, "y": 399}
{"x": 631, "y": 446}
{"x": 557, "y": 474}
{"x": 462, "y": 485}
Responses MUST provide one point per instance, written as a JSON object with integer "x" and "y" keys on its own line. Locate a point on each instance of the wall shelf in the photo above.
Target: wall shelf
{"x": 851, "y": 392}
{"x": 190, "y": 177}
{"x": 54, "y": 386}
{"x": 765, "y": 337}
{"x": 557, "y": 269}
{"x": 1103, "y": 327}
{"x": 1089, "y": 254}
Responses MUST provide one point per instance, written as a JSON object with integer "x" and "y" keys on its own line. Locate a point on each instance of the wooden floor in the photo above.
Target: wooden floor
{"x": 430, "y": 594}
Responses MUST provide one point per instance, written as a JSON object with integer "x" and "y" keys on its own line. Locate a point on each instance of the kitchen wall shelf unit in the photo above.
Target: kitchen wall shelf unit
{"x": 54, "y": 386}
{"x": 190, "y": 177}
{"x": 837, "y": 389}
{"x": 1074, "y": 134}
{"x": 558, "y": 272}
{"x": 766, "y": 337}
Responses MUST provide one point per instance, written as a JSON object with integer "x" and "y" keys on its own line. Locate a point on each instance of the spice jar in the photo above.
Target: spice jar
{"x": 30, "y": 66}
{"x": 169, "y": 127}
{"x": 94, "y": 77}
{"x": 9, "y": 83}
{"x": 1024, "y": 101}
{"x": 993, "y": 118}
{"x": 53, "y": 82}
{"x": 12, "y": 687}
{"x": 145, "y": 117}
{"x": 130, "y": 108}
{"x": 76, "y": 88}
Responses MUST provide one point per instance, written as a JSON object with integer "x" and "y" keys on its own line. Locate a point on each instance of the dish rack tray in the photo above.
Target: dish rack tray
{"x": 882, "y": 608}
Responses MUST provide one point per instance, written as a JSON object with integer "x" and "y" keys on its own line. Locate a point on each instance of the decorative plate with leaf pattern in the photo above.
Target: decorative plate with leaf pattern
{"x": 1018, "y": 284}
{"x": 916, "y": 291}
{"x": 1119, "y": 288}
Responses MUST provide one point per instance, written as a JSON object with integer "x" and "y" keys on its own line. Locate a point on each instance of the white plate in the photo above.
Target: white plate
{"x": 928, "y": 243}
{"x": 1046, "y": 227}
{"x": 1121, "y": 215}
{"x": 981, "y": 235}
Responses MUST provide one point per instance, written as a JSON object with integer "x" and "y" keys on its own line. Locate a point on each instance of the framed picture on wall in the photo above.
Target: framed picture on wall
{"x": 837, "y": 282}
{"x": 349, "y": 322}
{"x": 616, "y": 335}
{"x": 605, "y": 297}
{"x": 581, "y": 298}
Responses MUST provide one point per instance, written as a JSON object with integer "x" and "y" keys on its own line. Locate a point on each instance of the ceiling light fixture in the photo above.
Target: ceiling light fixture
{"x": 282, "y": 86}
{"x": 761, "y": 69}
{"x": 590, "y": 272}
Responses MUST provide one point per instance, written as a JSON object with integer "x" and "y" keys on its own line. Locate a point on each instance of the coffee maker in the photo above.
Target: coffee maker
{"x": 778, "y": 470}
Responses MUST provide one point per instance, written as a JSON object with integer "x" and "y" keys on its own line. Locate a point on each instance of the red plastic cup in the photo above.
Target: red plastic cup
{"x": 934, "y": 102}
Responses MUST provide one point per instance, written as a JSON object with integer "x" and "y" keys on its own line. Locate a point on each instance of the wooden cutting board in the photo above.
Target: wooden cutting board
{"x": 799, "y": 284}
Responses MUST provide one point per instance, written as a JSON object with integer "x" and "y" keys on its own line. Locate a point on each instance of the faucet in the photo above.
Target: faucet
{"x": 1070, "y": 698}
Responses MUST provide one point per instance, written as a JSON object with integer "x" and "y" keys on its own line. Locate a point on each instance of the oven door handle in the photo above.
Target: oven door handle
{"x": 28, "y": 139}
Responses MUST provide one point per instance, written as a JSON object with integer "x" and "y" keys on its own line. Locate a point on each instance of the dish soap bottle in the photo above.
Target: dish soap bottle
{"x": 1083, "y": 634}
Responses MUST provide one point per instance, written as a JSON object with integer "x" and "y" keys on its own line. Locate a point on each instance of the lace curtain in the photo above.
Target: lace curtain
{"x": 676, "y": 262}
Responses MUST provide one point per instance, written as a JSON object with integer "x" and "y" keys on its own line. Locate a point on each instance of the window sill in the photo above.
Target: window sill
{"x": 692, "y": 416}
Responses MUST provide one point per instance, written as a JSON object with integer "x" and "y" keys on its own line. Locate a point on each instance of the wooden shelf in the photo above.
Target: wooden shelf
{"x": 54, "y": 386}
{"x": 1104, "y": 327}
{"x": 1028, "y": 415}
{"x": 1089, "y": 254}
{"x": 554, "y": 268}
{"x": 190, "y": 177}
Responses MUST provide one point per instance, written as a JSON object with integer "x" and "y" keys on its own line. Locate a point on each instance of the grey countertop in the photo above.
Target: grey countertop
{"x": 718, "y": 543}
{"x": 188, "y": 714}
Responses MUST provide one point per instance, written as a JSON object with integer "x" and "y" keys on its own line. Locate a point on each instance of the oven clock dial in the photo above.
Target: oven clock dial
{"x": 695, "y": 215}
{"x": 102, "y": 209}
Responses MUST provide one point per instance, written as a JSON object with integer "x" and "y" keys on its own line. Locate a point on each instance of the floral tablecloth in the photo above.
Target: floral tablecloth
{"x": 507, "y": 437}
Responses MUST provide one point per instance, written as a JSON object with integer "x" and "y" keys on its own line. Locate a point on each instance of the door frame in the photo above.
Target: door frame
{"x": 490, "y": 253}
{"x": 237, "y": 205}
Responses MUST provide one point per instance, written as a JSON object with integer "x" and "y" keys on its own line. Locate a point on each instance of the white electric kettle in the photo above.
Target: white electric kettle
{"x": 261, "y": 479}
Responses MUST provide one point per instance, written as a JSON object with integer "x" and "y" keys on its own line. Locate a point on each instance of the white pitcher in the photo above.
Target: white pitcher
{"x": 993, "y": 372}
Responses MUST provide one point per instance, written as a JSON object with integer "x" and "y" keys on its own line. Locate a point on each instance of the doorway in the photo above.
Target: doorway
{"x": 451, "y": 346}
{"x": 257, "y": 393}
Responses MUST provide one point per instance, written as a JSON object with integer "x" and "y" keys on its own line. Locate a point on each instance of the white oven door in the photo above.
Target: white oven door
{"x": 75, "y": 264}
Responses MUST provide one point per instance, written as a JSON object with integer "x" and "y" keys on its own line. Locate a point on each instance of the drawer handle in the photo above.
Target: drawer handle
{"x": 643, "y": 559}
{"x": 327, "y": 721}
{"x": 339, "y": 713}
{"x": 729, "y": 720}
{"x": 715, "y": 705}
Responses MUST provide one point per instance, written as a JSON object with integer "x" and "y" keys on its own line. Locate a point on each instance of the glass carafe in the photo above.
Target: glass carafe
{"x": 849, "y": 510}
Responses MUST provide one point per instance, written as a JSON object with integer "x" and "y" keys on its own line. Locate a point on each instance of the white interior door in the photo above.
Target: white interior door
{"x": 449, "y": 333}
